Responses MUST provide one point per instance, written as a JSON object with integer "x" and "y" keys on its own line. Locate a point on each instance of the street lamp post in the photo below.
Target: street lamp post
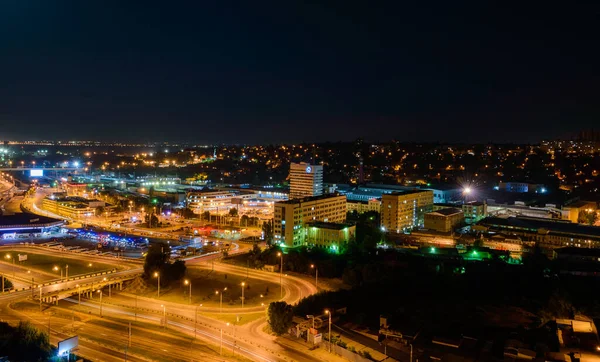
{"x": 221, "y": 347}
{"x": 78, "y": 295}
{"x": 100, "y": 291}
{"x": 157, "y": 275}
{"x": 243, "y": 284}
{"x": 196, "y": 319}
{"x": 280, "y": 255}
{"x": 187, "y": 282}
{"x": 313, "y": 326}
{"x": 221, "y": 302}
{"x": 9, "y": 256}
{"x": 329, "y": 337}
{"x": 312, "y": 266}
{"x": 164, "y": 315}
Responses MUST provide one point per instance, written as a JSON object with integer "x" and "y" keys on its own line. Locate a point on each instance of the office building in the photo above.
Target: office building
{"x": 402, "y": 211}
{"x": 290, "y": 216}
{"x": 444, "y": 220}
{"x": 306, "y": 180}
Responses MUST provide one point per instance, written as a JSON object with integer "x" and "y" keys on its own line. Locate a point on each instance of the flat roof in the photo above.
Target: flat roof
{"x": 328, "y": 225}
{"x": 22, "y": 219}
{"x": 571, "y": 250}
{"x": 446, "y": 212}
{"x": 407, "y": 192}
{"x": 534, "y": 224}
{"x": 308, "y": 199}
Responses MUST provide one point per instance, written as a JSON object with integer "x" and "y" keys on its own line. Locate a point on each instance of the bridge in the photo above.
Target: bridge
{"x": 52, "y": 292}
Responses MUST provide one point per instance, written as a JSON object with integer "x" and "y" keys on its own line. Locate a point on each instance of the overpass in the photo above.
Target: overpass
{"x": 52, "y": 292}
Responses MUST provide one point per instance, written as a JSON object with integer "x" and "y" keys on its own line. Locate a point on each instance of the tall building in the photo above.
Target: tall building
{"x": 305, "y": 180}
{"x": 291, "y": 216}
{"x": 401, "y": 211}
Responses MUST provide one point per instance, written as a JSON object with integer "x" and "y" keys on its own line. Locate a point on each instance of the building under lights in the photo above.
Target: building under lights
{"x": 403, "y": 211}
{"x": 306, "y": 180}
{"x": 200, "y": 201}
{"x": 291, "y": 217}
{"x": 11, "y": 225}
{"x": 328, "y": 235}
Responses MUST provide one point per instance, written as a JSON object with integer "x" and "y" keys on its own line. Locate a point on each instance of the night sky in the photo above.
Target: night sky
{"x": 288, "y": 71}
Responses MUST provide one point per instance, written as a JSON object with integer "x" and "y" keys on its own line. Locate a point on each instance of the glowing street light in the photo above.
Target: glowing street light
{"x": 329, "y": 314}
{"x": 187, "y": 282}
{"x": 221, "y": 302}
{"x": 243, "y": 284}
{"x": 312, "y": 266}
{"x": 157, "y": 275}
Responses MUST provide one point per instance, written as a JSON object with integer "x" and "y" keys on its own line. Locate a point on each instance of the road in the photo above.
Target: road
{"x": 249, "y": 339}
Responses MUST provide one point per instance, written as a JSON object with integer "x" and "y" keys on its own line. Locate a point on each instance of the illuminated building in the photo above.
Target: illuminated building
{"x": 401, "y": 211}
{"x": 332, "y": 236}
{"x": 546, "y": 232}
{"x": 291, "y": 216}
{"x": 361, "y": 207}
{"x": 305, "y": 180}
{"x": 444, "y": 220}
{"x": 72, "y": 206}
{"x": 521, "y": 187}
{"x": 200, "y": 201}
{"x": 474, "y": 211}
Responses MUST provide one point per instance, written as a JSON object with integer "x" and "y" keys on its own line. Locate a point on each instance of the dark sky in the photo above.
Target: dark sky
{"x": 257, "y": 71}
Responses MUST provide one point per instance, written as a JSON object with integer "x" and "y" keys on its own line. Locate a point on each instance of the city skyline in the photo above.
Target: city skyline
{"x": 293, "y": 72}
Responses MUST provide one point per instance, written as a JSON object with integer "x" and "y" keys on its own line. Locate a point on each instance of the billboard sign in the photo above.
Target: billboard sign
{"x": 22, "y": 257}
{"x": 318, "y": 338}
{"x": 65, "y": 346}
{"x": 36, "y": 173}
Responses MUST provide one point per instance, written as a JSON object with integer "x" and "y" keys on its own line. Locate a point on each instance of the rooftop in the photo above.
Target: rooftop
{"x": 571, "y": 250}
{"x": 328, "y": 225}
{"x": 407, "y": 192}
{"x": 579, "y": 204}
{"x": 308, "y": 199}
{"x": 534, "y": 224}
{"x": 23, "y": 219}
{"x": 446, "y": 212}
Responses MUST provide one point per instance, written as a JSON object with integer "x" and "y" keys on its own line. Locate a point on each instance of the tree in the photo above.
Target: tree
{"x": 280, "y": 316}
{"x": 7, "y": 284}
{"x": 153, "y": 220}
{"x": 206, "y": 215}
{"x": 267, "y": 229}
{"x": 100, "y": 210}
{"x": 586, "y": 217}
{"x": 233, "y": 212}
{"x": 157, "y": 261}
{"x": 24, "y": 343}
{"x": 244, "y": 220}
